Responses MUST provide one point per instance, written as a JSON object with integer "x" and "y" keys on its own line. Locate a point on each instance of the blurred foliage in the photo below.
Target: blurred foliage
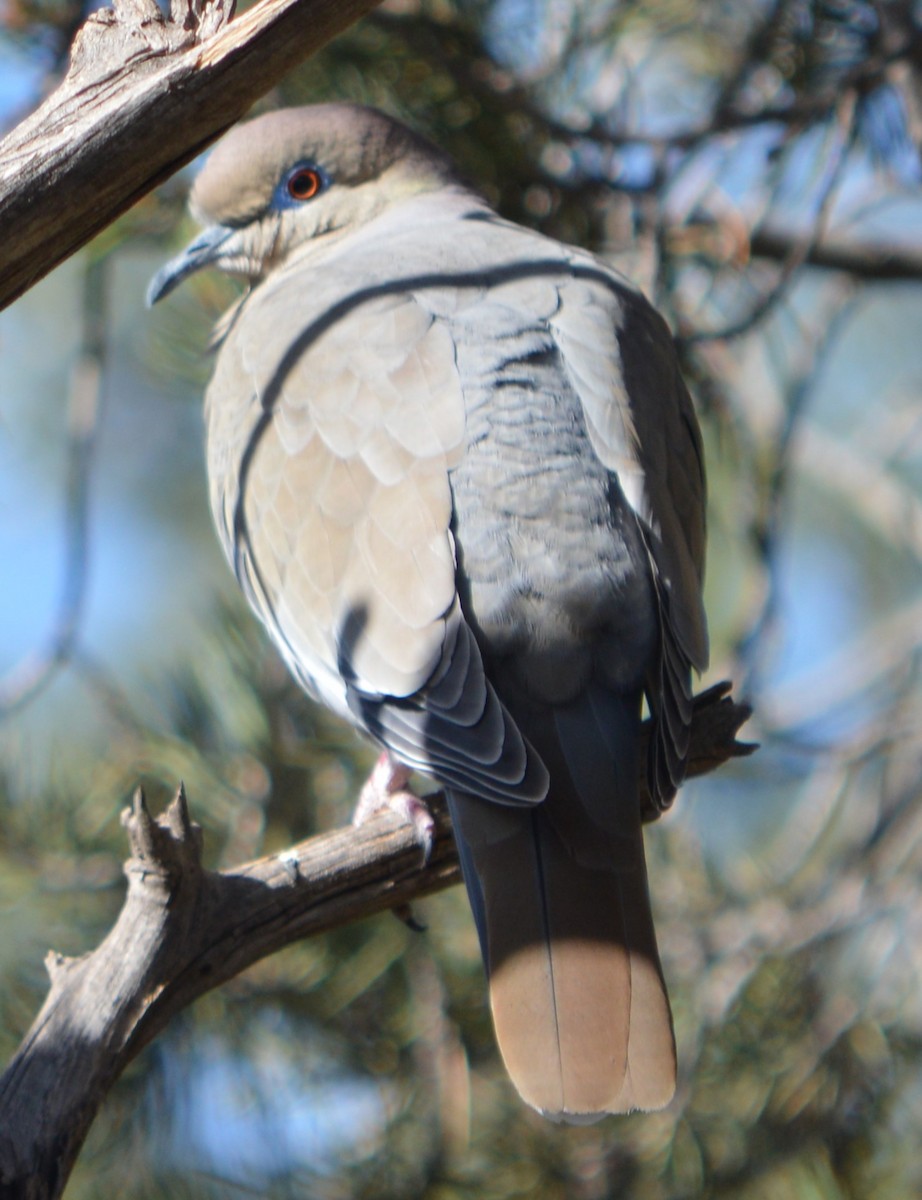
{"x": 671, "y": 135}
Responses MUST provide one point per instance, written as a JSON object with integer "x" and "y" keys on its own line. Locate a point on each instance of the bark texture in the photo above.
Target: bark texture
{"x": 144, "y": 94}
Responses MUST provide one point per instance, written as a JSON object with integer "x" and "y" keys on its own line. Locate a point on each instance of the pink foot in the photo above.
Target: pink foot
{"x": 386, "y": 787}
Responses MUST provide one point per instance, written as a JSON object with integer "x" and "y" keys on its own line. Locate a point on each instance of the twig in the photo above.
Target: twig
{"x": 881, "y": 261}
{"x": 800, "y": 247}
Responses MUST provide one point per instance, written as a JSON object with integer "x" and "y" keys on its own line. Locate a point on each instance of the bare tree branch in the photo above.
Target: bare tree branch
{"x": 144, "y": 95}
{"x": 797, "y": 255}
{"x": 866, "y": 260}
{"x": 184, "y": 930}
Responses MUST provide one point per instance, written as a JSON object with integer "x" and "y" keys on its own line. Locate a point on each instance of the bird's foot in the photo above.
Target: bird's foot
{"x": 386, "y": 788}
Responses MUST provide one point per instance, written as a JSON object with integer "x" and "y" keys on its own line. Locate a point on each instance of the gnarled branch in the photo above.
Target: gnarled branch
{"x": 184, "y": 930}
{"x": 144, "y": 95}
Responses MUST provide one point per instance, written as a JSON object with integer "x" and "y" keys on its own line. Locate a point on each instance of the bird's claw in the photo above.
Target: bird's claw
{"x": 387, "y": 788}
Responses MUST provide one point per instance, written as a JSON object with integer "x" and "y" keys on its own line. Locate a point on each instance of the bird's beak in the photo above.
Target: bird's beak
{"x": 205, "y": 251}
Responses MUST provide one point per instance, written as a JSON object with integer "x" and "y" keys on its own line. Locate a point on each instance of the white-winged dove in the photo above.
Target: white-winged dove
{"x": 459, "y": 477}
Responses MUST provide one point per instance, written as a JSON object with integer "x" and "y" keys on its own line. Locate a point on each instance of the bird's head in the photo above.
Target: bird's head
{"x": 298, "y": 176}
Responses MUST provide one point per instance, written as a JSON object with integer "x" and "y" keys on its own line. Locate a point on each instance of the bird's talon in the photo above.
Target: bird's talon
{"x": 386, "y": 788}
{"x": 417, "y": 814}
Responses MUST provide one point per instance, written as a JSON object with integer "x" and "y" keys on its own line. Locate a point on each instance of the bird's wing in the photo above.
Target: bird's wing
{"x": 340, "y": 524}
{"x": 642, "y": 425}
{"x": 558, "y": 579}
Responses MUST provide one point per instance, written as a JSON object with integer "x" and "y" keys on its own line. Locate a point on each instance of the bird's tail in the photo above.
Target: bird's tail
{"x": 559, "y": 893}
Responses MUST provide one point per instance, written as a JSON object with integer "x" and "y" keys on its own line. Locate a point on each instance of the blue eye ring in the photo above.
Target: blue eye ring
{"x": 304, "y": 183}
{"x": 300, "y": 184}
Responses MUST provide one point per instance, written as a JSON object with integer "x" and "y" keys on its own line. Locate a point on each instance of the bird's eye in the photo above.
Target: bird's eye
{"x": 304, "y": 183}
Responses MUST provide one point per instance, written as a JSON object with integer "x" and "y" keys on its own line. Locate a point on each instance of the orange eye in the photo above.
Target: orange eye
{"x": 304, "y": 184}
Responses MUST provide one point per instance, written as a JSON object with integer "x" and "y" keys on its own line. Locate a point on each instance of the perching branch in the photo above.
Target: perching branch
{"x": 184, "y": 930}
{"x": 144, "y": 95}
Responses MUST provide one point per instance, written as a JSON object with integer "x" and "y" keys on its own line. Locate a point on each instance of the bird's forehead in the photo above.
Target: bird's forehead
{"x": 350, "y": 142}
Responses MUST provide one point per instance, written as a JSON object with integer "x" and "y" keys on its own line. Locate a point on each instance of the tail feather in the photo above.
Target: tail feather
{"x": 579, "y": 1005}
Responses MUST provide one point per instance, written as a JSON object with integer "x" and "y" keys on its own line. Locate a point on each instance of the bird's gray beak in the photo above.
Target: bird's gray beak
{"x": 204, "y": 251}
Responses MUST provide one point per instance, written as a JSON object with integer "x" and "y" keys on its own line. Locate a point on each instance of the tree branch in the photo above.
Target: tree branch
{"x": 144, "y": 95}
{"x": 870, "y": 260}
{"x": 184, "y": 930}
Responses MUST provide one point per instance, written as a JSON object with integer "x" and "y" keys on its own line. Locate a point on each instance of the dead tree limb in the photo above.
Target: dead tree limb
{"x": 184, "y": 930}
{"x": 144, "y": 94}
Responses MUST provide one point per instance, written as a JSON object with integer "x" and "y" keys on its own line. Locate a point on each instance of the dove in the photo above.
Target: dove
{"x": 456, "y": 471}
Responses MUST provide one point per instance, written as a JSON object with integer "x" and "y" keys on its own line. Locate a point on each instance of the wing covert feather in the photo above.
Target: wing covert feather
{"x": 347, "y": 504}
{"x": 620, "y": 355}
{"x": 341, "y": 526}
